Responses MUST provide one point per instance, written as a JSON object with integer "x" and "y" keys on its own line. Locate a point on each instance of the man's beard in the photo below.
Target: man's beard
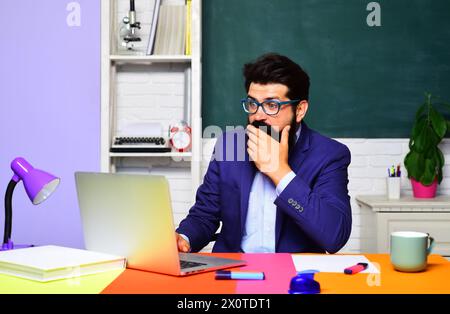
{"x": 275, "y": 134}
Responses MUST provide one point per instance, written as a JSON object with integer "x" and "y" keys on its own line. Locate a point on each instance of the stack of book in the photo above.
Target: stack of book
{"x": 170, "y": 32}
{"x": 47, "y": 263}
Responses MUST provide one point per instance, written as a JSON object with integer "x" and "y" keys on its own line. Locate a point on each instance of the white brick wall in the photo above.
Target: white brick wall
{"x": 153, "y": 93}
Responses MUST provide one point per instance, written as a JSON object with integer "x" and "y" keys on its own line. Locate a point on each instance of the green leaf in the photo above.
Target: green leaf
{"x": 440, "y": 163}
{"x": 439, "y": 175}
{"x": 441, "y": 158}
{"x": 430, "y": 172}
{"x": 414, "y": 164}
{"x": 431, "y": 153}
{"x": 433, "y": 138}
{"x": 409, "y": 163}
{"x": 426, "y": 140}
{"x": 422, "y": 110}
{"x": 418, "y": 127}
{"x": 420, "y": 137}
{"x": 438, "y": 122}
{"x": 411, "y": 143}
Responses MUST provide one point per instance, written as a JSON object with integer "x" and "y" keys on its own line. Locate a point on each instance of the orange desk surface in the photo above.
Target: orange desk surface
{"x": 279, "y": 269}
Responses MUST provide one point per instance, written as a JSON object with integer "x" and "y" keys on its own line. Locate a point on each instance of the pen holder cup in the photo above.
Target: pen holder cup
{"x": 393, "y": 188}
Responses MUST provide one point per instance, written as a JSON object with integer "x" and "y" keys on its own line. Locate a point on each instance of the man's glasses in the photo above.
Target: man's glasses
{"x": 270, "y": 107}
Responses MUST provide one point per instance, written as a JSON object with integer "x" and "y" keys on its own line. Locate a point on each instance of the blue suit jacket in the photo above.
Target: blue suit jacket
{"x": 313, "y": 211}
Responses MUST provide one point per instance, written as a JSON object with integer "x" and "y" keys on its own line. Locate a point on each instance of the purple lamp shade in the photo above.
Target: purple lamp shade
{"x": 38, "y": 184}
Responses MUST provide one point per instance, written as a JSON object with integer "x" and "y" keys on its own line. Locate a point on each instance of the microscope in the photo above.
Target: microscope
{"x": 128, "y": 37}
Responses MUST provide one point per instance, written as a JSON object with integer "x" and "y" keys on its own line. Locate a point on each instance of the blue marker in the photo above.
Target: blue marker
{"x": 226, "y": 274}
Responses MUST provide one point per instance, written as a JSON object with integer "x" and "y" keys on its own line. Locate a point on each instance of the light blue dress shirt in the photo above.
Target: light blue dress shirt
{"x": 259, "y": 233}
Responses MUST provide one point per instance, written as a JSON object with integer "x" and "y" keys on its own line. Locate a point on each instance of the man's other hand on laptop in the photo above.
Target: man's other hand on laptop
{"x": 183, "y": 245}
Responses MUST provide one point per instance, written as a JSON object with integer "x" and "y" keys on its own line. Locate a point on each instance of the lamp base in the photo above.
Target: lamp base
{"x": 11, "y": 246}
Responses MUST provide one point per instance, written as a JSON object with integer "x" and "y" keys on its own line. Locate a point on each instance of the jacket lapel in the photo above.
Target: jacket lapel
{"x": 247, "y": 172}
{"x": 295, "y": 158}
{"x": 302, "y": 145}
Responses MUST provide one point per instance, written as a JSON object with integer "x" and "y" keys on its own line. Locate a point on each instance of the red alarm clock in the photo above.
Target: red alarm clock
{"x": 180, "y": 136}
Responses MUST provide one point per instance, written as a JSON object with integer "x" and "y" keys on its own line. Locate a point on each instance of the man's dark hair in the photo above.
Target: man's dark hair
{"x": 275, "y": 68}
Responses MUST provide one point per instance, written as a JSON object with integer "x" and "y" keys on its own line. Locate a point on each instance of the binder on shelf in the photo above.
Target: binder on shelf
{"x": 188, "y": 27}
{"x": 47, "y": 263}
{"x": 151, "y": 40}
{"x": 170, "y": 33}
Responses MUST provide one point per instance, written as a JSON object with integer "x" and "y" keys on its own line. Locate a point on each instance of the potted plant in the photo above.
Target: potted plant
{"x": 424, "y": 161}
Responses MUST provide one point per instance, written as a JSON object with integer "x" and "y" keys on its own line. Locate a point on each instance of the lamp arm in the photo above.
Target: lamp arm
{"x": 8, "y": 210}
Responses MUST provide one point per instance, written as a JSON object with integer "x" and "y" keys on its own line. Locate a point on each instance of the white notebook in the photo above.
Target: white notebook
{"x": 46, "y": 263}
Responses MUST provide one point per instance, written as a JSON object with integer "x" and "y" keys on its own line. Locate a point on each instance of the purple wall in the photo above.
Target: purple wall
{"x": 49, "y": 110}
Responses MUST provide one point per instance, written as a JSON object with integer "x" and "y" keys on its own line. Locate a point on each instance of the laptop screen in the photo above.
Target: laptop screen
{"x": 129, "y": 215}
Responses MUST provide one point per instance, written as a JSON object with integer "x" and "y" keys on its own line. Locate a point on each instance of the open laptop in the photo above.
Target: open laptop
{"x": 131, "y": 215}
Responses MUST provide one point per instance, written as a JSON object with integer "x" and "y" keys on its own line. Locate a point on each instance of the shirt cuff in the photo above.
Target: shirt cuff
{"x": 187, "y": 239}
{"x": 284, "y": 182}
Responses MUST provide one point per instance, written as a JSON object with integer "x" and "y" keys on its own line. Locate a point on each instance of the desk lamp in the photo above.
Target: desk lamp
{"x": 38, "y": 185}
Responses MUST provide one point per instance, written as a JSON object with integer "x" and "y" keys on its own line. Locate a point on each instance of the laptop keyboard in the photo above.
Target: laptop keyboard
{"x": 186, "y": 264}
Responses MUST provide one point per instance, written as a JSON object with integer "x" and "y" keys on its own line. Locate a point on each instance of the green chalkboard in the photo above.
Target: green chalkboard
{"x": 365, "y": 81}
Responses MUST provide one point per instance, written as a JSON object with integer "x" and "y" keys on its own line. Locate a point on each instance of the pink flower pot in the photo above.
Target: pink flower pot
{"x": 423, "y": 191}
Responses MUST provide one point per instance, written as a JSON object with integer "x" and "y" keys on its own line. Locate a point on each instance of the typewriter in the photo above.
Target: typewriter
{"x": 144, "y": 144}
{"x": 140, "y": 138}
